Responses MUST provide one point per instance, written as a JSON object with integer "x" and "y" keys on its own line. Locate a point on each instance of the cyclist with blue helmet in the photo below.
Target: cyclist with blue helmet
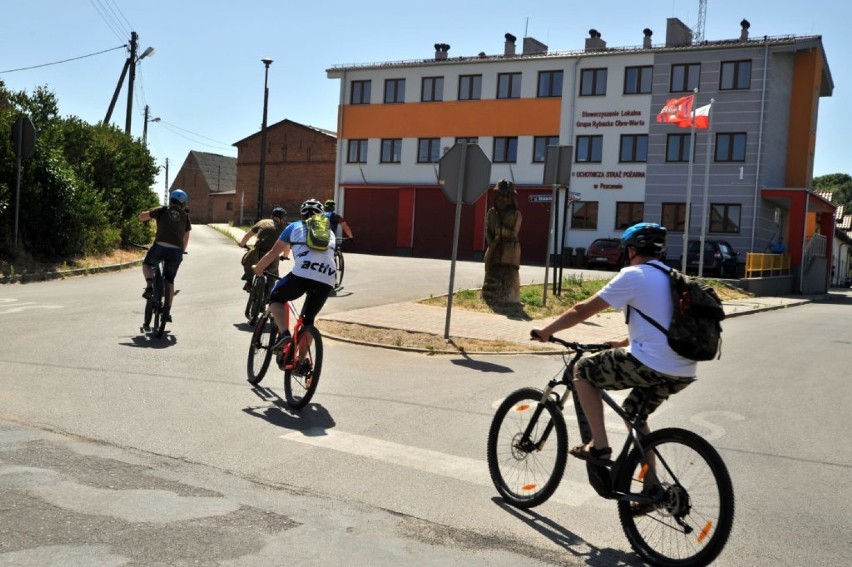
{"x": 644, "y": 361}
{"x": 170, "y": 242}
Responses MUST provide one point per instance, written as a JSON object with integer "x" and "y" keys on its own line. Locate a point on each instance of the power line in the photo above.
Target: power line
{"x": 196, "y": 134}
{"x": 172, "y": 128}
{"x": 64, "y": 60}
{"x": 116, "y": 9}
{"x": 116, "y": 29}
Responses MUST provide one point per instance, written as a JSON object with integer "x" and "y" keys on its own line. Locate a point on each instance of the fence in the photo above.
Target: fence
{"x": 766, "y": 265}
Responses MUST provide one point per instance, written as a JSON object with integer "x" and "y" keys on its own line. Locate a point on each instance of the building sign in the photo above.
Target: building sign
{"x": 609, "y": 174}
{"x": 610, "y": 119}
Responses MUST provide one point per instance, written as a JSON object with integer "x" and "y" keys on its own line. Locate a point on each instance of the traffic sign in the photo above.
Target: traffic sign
{"x": 23, "y": 137}
{"x": 468, "y": 166}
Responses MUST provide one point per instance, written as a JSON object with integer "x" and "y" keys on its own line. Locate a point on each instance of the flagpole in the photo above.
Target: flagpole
{"x": 689, "y": 184}
{"x": 704, "y": 212}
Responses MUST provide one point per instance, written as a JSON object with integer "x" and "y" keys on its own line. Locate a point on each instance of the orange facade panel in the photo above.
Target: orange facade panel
{"x": 801, "y": 135}
{"x": 515, "y": 117}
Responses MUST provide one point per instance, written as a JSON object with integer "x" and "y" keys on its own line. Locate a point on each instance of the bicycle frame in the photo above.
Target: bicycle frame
{"x": 601, "y": 477}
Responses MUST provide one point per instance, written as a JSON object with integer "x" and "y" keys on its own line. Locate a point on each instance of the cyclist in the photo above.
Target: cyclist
{"x": 267, "y": 231}
{"x": 312, "y": 274}
{"x": 173, "y": 226}
{"x": 644, "y": 361}
{"x": 336, "y": 220}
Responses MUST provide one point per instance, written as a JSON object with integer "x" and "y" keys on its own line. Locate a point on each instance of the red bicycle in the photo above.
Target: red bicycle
{"x": 300, "y": 356}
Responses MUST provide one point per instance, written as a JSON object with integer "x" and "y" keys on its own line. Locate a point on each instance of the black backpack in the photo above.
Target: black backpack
{"x": 695, "y": 331}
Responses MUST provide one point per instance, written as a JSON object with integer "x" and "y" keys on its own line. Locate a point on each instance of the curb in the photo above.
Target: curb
{"x": 44, "y": 276}
{"x": 435, "y": 351}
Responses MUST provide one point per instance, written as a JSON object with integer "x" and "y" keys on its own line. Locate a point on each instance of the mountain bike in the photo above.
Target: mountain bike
{"x": 674, "y": 494}
{"x": 300, "y": 356}
{"x": 158, "y": 305}
{"x": 339, "y": 264}
{"x": 261, "y": 286}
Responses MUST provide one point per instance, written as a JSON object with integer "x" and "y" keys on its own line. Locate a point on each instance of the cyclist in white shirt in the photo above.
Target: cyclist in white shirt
{"x": 313, "y": 273}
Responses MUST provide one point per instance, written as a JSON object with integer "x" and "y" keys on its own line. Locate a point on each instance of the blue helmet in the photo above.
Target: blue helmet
{"x": 645, "y": 236}
{"x": 179, "y": 196}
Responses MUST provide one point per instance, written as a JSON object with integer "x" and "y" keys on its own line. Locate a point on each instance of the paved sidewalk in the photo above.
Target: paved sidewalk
{"x": 413, "y": 316}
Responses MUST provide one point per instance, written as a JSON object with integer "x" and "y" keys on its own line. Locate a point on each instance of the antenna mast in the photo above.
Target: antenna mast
{"x": 698, "y": 31}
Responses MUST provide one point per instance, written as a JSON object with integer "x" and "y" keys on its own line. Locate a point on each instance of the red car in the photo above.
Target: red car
{"x": 604, "y": 253}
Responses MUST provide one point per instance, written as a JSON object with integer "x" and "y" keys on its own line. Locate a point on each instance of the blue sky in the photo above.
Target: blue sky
{"x": 205, "y": 80}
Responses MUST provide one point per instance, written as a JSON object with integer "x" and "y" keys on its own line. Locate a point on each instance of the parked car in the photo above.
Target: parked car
{"x": 720, "y": 258}
{"x": 604, "y": 253}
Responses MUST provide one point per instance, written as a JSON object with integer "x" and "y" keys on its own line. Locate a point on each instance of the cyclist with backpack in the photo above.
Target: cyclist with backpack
{"x": 170, "y": 242}
{"x": 312, "y": 242}
{"x": 644, "y": 361}
{"x": 267, "y": 231}
{"x": 336, "y": 220}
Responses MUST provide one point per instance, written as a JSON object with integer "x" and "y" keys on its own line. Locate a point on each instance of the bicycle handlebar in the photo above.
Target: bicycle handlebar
{"x": 581, "y": 347}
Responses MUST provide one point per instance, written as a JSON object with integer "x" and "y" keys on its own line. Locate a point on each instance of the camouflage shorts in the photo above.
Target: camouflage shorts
{"x": 617, "y": 369}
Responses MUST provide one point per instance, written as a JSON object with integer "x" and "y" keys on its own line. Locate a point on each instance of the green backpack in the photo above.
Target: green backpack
{"x": 317, "y": 232}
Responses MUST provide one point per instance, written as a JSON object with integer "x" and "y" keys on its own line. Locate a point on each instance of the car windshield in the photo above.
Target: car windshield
{"x": 606, "y": 244}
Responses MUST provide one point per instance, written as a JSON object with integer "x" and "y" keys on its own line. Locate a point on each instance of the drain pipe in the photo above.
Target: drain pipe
{"x": 804, "y": 235}
{"x": 340, "y": 149}
{"x": 759, "y": 145}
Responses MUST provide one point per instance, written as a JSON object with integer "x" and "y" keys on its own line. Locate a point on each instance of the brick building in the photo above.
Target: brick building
{"x": 210, "y": 181}
{"x": 300, "y": 163}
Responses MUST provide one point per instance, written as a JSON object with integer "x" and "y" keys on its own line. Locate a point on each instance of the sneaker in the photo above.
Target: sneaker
{"x": 278, "y": 345}
{"x": 147, "y": 293}
{"x": 247, "y": 286}
{"x": 303, "y": 368}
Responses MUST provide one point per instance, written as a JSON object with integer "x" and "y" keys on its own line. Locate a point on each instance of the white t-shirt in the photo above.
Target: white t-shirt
{"x": 308, "y": 263}
{"x": 648, "y": 289}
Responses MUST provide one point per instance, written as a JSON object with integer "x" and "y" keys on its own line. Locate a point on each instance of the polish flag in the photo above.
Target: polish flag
{"x": 678, "y": 111}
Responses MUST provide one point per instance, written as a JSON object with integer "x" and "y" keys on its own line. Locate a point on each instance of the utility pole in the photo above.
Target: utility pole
{"x": 134, "y": 41}
{"x": 166, "y": 192}
{"x": 145, "y": 127}
{"x": 262, "y": 177}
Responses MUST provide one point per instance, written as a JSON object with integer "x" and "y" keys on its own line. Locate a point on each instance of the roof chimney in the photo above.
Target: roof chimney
{"x": 646, "y": 43}
{"x": 509, "y": 48}
{"x": 594, "y": 41}
{"x": 744, "y": 32}
{"x": 678, "y": 33}
{"x": 441, "y": 50}
{"x": 533, "y": 46}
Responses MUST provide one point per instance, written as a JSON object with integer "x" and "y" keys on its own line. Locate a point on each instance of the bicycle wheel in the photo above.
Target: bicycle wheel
{"x": 301, "y": 381}
{"x": 339, "y": 266}
{"x": 260, "y": 349}
{"x": 149, "y": 313}
{"x": 693, "y": 520}
{"x": 527, "y": 470}
{"x": 254, "y": 306}
{"x": 159, "y": 307}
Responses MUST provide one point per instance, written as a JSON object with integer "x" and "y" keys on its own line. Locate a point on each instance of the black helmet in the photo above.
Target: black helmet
{"x": 310, "y": 208}
{"x": 278, "y": 212}
{"x": 646, "y": 237}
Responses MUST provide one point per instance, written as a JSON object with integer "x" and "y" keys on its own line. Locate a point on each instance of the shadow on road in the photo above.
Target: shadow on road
{"x": 481, "y": 365}
{"x": 570, "y": 541}
{"x": 150, "y": 341}
{"x": 312, "y": 416}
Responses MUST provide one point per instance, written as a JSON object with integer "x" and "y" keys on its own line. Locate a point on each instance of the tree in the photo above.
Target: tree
{"x": 839, "y": 184}
{"x": 80, "y": 191}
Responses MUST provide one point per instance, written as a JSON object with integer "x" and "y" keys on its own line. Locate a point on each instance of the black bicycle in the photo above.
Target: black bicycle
{"x": 157, "y": 305}
{"x": 339, "y": 265}
{"x": 675, "y": 496}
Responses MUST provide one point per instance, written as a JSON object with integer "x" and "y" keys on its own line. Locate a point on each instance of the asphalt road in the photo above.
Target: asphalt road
{"x": 117, "y": 449}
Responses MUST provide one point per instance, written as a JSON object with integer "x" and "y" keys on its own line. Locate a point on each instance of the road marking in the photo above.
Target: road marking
{"x": 465, "y": 469}
{"x": 12, "y": 307}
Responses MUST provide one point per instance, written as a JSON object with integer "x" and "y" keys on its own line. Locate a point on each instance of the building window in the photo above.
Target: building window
{"x": 550, "y": 84}
{"x": 357, "y": 151}
{"x": 432, "y": 89}
{"x": 593, "y": 82}
{"x": 229, "y": 206}
{"x": 540, "y": 144}
{"x": 509, "y": 85}
{"x": 360, "y": 92}
{"x": 505, "y": 150}
{"x": 628, "y": 214}
{"x": 394, "y": 90}
{"x": 634, "y": 148}
{"x": 725, "y": 218}
{"x": 589, "y": 149}
{"x": 584, "y": 215}
{"x": 685, "y": 77}
{"x": 637, "y": 80}
{"x": 735, "y": 75}
{"x": 467, "y": 140}
{"x": 470, "y": 87}
{"x": 677, "y": 147}
{"x": 391, "y": 150}
{"x": 731, "y": 146}
{"x": 428, "y": 150}
{"x": 674, "y": 216}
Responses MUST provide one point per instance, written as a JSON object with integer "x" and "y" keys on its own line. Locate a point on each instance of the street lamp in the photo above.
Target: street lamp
{"x": 145, "y": 129}
{"x": 266, "y": 62}
{"x": 130, "y": 64}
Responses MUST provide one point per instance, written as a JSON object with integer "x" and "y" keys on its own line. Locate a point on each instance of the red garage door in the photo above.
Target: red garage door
{"x": 434, "y": 221}
{"x": 372, "y": 215}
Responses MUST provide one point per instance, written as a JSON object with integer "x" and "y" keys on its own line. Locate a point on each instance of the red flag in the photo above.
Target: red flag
{"x": 677, "y": 110}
